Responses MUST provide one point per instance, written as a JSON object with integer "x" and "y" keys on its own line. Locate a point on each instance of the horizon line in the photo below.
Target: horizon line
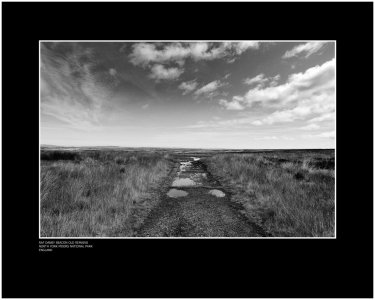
{"x": 166, "y": 147}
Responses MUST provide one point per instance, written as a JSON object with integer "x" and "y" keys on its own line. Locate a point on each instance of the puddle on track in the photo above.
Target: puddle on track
{"x": 183, "y": 182}
{"x": 190, "y": 174}
{"x": 217, "y": 193}
{"x": 174, "y": 193}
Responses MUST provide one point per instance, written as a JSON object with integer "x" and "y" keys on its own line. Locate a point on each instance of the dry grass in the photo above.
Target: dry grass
{"x": 93, "y": 193}
{"x": 289, "y": 193}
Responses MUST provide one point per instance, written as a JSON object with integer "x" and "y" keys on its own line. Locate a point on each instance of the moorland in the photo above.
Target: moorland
{"x": 154, "y": 192}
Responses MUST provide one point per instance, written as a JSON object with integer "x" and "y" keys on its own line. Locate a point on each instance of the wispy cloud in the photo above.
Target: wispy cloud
{"x": 304, "y": 50}
{"x": 310, "y": 127}
{"x": 272, "y": 137}
{"x": 327, "y": 134}
{"x": 70, "y": 91}
{"x": 209, "y": 89}
{"x": 261, "y": 80}
{"x": 324, "y": 117}
{"x": 237, "y": 123}
{"x": 273, "y": 81}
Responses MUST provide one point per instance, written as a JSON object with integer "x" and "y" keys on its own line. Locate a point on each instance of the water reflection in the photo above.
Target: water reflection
{"x": 189, "y": 174}
{"x": 174, "y": 193}
{"x": 217, "y": 193}
{"x": 183, "y": 182}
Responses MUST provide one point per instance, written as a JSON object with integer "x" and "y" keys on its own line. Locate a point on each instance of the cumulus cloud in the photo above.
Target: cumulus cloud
{"x": 306, "y": 94}
{"x": 310, "y": 92}
{"x": 145, "y": 53}
{"x": 231, "y": 50}
{"x": 209, "y": 89}
{"x": 300, "y": 85}
{"x": 188, "y": 86}
{"x": 231, "y": 105}
{"x": 243, "y": 46}
{"x": 159, "y": 72}
{"x": 154, "y": 55}
{"x": 235, "y": 104}
{"x": 304, "y": 50}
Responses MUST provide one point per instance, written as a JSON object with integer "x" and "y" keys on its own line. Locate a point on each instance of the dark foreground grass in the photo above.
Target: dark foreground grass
{"x": 289, "y": 193}
{"x": 93, "y": 193}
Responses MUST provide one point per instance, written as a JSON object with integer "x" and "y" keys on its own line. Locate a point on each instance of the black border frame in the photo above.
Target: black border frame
{"x": 342, "y": 267}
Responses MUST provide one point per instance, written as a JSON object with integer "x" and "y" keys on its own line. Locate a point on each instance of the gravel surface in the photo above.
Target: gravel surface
{"x": 198, "y": 213}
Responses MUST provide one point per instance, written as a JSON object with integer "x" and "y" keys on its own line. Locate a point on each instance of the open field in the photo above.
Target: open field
{"x": 97, "y": 193}
{"x": 116, "y": 192}
{"x": 290, "y": 193}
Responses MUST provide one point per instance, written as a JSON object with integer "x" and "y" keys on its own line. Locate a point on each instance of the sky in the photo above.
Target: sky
{"x": 232, "y": 94}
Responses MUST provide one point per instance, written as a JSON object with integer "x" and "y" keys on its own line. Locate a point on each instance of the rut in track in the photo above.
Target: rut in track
{"x": 196, "y": 205}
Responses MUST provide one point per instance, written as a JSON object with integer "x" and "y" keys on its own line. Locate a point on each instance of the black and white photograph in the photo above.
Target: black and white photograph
{"x": 231, "y": 139}
{"x": 192, "y": 149}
